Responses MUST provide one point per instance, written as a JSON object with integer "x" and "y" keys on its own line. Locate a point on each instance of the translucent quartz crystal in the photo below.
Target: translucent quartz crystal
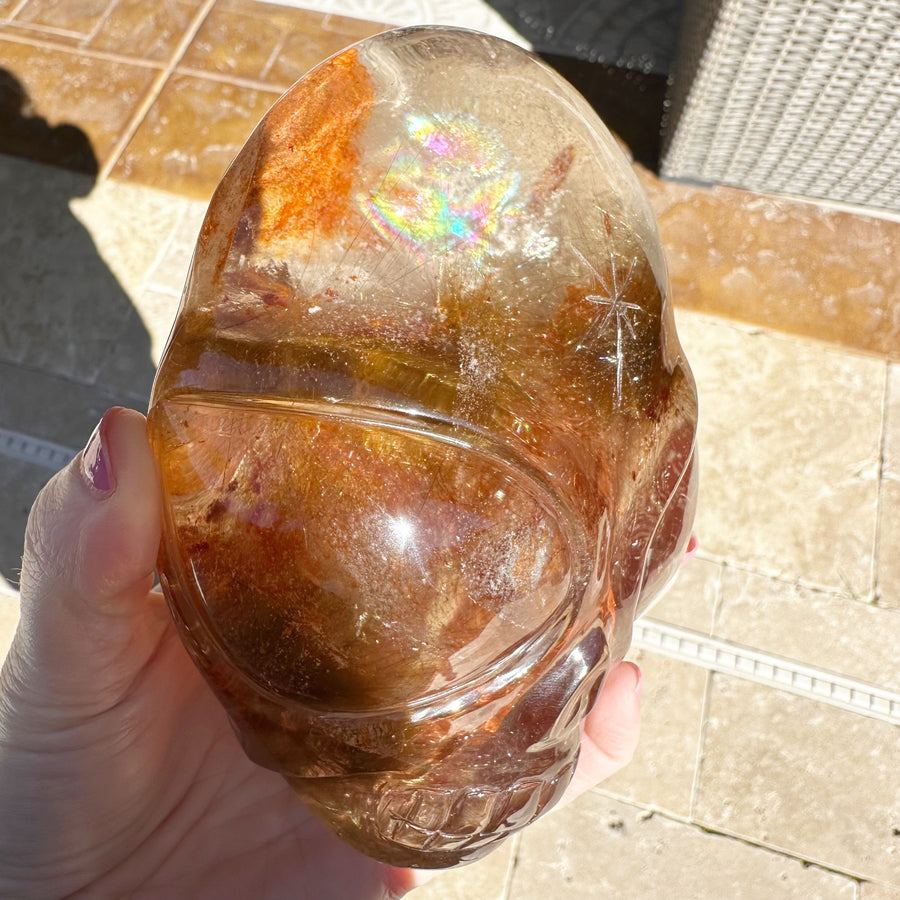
{"x": 426, "y": 437}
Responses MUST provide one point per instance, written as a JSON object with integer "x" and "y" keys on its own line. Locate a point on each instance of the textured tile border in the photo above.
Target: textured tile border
{"x": 15, "y": 445}
{"x": 769, "y": 670}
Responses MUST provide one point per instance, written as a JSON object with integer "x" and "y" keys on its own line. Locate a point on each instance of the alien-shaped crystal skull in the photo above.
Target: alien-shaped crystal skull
{"x": 426, "y": 438}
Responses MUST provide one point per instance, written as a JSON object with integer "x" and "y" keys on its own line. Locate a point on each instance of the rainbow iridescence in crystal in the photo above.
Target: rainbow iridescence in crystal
{"x": 448, "y": 185}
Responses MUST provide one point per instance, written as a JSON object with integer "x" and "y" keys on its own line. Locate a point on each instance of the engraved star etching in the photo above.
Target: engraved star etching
{"x": 618, "y": 312}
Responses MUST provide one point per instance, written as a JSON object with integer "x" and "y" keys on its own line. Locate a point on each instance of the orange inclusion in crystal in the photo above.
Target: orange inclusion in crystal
{"x": 309, "y": 151}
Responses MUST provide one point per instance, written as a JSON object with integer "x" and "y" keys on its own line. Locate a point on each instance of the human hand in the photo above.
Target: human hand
{"x": 119, "y": 773}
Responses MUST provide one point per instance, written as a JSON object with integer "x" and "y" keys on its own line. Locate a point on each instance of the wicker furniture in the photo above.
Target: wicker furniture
{"x": 798, "y": 97}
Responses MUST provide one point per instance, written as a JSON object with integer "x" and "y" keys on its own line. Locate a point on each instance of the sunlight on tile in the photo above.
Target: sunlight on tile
{"x": 662, "y": 771}
{"x": 789, "y": 439}
{"x": 484, "y": 880}
{"x": 608, "y": 848}
{"x": 801, "y": 776}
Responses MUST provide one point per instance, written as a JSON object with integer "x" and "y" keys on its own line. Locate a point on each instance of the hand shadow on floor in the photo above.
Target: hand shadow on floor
{"x": 71, "y": 342}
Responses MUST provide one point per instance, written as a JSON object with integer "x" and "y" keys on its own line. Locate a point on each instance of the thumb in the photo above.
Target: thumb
{"x": 609, "y": 737}
{"x": 90, "y": 548}
{"x": 610, "y": 732}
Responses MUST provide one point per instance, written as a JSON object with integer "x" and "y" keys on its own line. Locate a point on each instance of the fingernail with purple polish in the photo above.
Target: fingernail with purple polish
{"x": 95, "y": 461}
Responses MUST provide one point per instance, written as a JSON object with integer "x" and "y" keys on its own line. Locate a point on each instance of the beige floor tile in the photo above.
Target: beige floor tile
{"x": 892, "y": 424}
{"x": 662, "y": 771}
{"x": 157, "y": 311}
{"x": 145, "y": 30}
{"x": 191, "y": 134}
{"x": 782, "y": 263}
{"x": 482, "y": 880}
{"x": 9, "y": 616}
{"x": 270, "y": 43}
{"x": 158, "y": 302}
{"x": 888, "y": 568}
{"x": 78, "y": 16}
{"x": 822, "y": 630}
{"x": 352, "y": 29}
{"x": 302, "y": 51}
{"x": 869, "y": 890}
{"x": 795, "y": 774}
{"x": 888, "y": 563}
{"x": 96, "y": 96}
{"x": 18, "y": 30}
{"x": 130, "y": 225}
{"x": 170, "y": 271}
{"x": 240, "y": 37}
{"x": 600, "y": 848}
{"x": 65, "y": 311}
{"x": 789, "y": 444}
{"x": 691, "y": 599}
{"x": 21, "y": 483}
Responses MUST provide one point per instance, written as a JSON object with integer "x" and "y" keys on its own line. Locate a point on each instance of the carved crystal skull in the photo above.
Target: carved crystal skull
{"x": 426, "y": 437}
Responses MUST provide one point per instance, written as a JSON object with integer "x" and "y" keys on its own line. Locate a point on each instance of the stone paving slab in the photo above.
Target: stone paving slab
{"x": 662, "y": 773}
{"x": 602, "y": 847}
{"x": 487, "y": 879}
{"x": 790, "y": 437}
{"x": 818, "y": 782}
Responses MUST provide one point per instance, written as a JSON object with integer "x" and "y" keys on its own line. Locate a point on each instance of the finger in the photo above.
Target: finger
{"x": 610, "y": 732}
{"x": 90, "y": 549}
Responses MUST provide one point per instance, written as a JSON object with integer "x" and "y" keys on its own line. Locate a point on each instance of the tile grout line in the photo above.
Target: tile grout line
{"x": 101, "y": 21}
{"x": 77, "y": 37}
{"x": 252, "y": 84}
{"x": 511, "y": 867}
{"x": 17, "y": 9}
{"x": 810, "y": 682}
{"x": 147, "y": 283}
{"x": 717, "y": 830}
{"x": 279, "y": 46}
{"x": 701, "y": 739}
{"x": 155, "y": 89}
{"x": 719, "y": 601}
{"x": 707, "y": 696}
{"x": 828, "y": 590}
{"x": 45, "y": 42}
{"x": 880, "y": 479}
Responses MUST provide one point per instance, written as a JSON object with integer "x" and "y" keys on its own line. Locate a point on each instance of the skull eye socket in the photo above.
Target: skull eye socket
{"x": 353, "y": 566}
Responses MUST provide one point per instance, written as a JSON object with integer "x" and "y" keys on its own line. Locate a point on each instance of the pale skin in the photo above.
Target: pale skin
{"x": 120, "y": 776}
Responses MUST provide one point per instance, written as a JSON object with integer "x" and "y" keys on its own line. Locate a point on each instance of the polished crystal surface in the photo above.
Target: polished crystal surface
{"x": 426, "y": 438}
